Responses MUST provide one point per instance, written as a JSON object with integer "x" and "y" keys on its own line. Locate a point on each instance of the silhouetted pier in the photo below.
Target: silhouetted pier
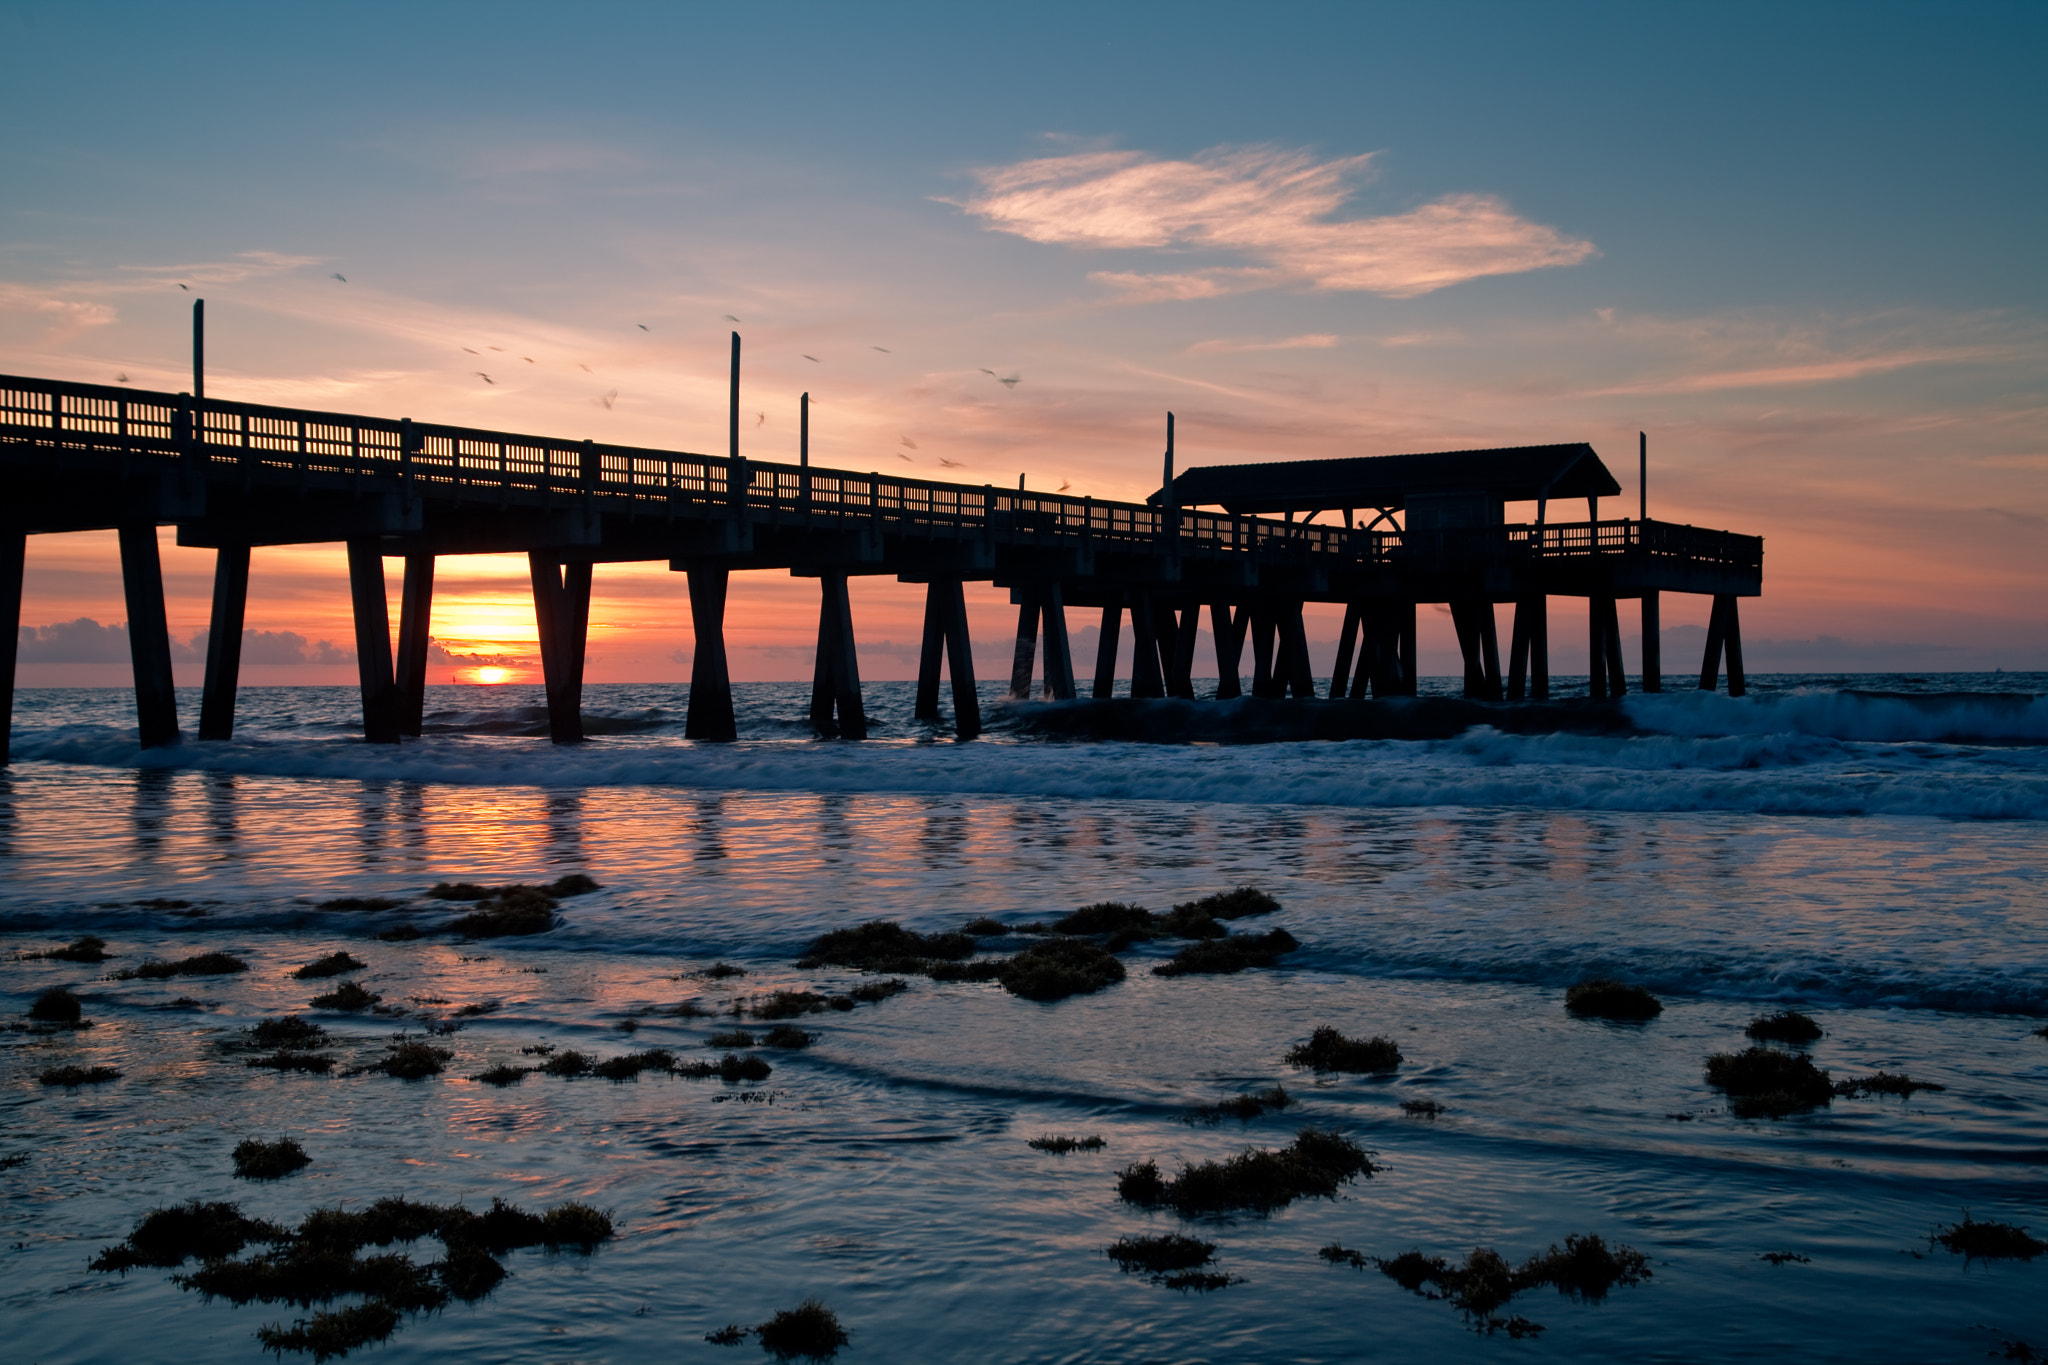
{"x": 231, "y": 476}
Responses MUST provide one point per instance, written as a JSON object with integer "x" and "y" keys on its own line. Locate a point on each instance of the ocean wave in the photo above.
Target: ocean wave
{"x": 1849, "y": 714}
{"x": 1774, "y": 773}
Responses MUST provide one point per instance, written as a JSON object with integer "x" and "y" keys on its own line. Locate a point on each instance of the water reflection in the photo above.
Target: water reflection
{"x": 150, "y": 809}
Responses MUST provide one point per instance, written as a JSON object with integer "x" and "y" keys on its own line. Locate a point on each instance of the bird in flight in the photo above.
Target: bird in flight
{"x": 527, "y": 358}
{"x": 120, "y": 379}
{"x": 609, "y": 399}
{"x": 643, "y": 326}
{"x": 1065, "y": 485}
{"x": 583, "y": 367}
{"x": 472, "y": 352}
{"x": 729, "y": 317}
{"x": 945, "y": 463}
{"x": 814, "y": 360}
{"x": 1010, "y": 380}
{"x": 905, "y": 458}
{"x": 186, "y": 287}
{"x": 884, "y": 350}
{"x": 486, "y": 378}
{"x": 912, "y": 444}
{"x": 339, "y": 276}
{"x": 499, "y": 349}
{"x": 760, "y": 420}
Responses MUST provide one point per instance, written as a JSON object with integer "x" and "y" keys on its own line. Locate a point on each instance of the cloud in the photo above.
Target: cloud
{"x": 1267, "y": 203}
{"x": 1314, "y": 341}
{"x": 86, "y": 641}
{"x": 1816, "y": 372}
{"x": 437, "y": 653}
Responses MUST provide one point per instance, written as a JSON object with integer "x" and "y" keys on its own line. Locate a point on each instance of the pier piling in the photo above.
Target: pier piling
{"x": 1653, "y": 643}
{"x": 149, "y": 637}
{"x": 1228, "y": 630}
{"x": 415, "y": 618}
{"x": 710, "y": 715}
{"x": 1105, "y": 649}
{"x": 13, "y": 563}
{"x": 373, "y": 640}
{"x": 835, "y": 682}
{"x": 1059, "y": 654}
{"x": 224, "y": 642}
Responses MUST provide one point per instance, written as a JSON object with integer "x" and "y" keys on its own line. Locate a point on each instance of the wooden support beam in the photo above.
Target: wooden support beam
{"x": 1105, "y": 650}
{"x": 1347, "y": 645}
{"x": 373, "y": 640}
{"x": 1228, "y": 629}
{"x": 562, "y": 621}
{"x": 149, "y": 637}
{"x": 415, "y": 624}
{"x": 1146, "y": 677}
{"x": 1610, "y": 634}
{"x": 1518, "y": 652}
{"x": 13, "y": 563}
{"x": 1710, "y": 663}
{"x": 960, "y": 662}
{"x": 931, "y": 652}
{"x": 1059, "y": 654}
{"x": 1489, "y": 648}
{"x": 1731, "y": 625}
{"x": 1465, "y": 620}
{"x": 1300, "y": 671}
{"x": 1262, "y": 649}
{"x": 1026, "y": 655}
{"x": 1539, "y": 648}
{"x": 1409, "y": 652}
{"x": 224, "y": 642}
{"x": 1186, "y": 624}
{"x": 836, "y": 707}
{"x": 1596, "y": 649}
{"x": 710, "y": 715}
{"x": 1653, "y": 643}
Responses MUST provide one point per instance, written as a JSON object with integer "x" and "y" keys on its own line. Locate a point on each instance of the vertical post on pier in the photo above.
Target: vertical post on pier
{"x": 1298, "y": 673}
{"x": 960, "y": 661}
{"x": 1028, "y": 596}
{"x": 733, "y": 404}
{"x": 1179, "y": 644}
{"x": 835, "y": 683}
{"x": 1539, "y": 648}
{"x": 1596, "y": 648}
{"x": 1262, "y": 652}
{"x": 1347, "y": 645}
{"x": 1738, "y": 684}
{"x": 562, "y": 611}
{"x": 1228, "y": 630}
{"x": 373, "y": 640}
{"x": 1643, "y": 476}
{"x": 1465, "y": 621}
{"x": 1710, "y": 662}
{"x": 1146, "y": 679}
{"x": 931, "y": 652}
{"x": 199, "y": 348}
{"x": 709, "y": 716}
{"x": 13, "y": 564}
{"x": 1409, "y": 652}
{"x": 415, "y": 619}
{"x": 149, "y": 637}
{"x": 1059, "y": 655}
{"x": 1168, "y": 505}
{"x": 224, "y": 642}
{"x": 1518, "y": 651}
{"x": 1489, "y": 648}
{"x": 1610, "y": 634}
{"x": 803, "y": 450}
{"x": 1653, "y": 642}
{"x": 1105, "y": 648}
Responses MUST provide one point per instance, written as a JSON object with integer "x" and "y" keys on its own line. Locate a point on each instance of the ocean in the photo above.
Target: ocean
{"x": 1866, "y": 850}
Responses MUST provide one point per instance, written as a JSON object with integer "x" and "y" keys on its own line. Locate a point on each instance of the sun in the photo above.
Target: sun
{"x": 492, "y": 675}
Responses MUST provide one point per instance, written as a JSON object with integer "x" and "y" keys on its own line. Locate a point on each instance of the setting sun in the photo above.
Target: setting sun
{"x": 492, "y": 675}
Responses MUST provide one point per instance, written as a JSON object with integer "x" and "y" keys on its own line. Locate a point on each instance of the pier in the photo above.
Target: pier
{"x": 1248, "y": 544}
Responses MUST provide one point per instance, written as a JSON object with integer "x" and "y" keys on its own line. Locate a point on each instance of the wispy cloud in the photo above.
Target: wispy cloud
{"x": 1815, "y": 372}
{"x": 1271, "y": 204}
{"x": 1314, "y": 341}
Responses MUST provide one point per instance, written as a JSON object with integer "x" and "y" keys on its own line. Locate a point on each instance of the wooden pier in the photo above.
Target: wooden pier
{"x": 231, "y": 476}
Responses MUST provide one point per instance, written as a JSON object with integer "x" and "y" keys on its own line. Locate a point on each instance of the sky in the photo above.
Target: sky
{"x": 1799, "y": 246}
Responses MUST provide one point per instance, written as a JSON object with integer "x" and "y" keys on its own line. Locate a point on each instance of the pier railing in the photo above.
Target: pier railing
{"x": 216, "y": 438}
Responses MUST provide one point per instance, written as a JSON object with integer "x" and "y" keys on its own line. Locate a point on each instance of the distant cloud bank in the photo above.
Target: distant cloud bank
{"x": 1270, "y": 204}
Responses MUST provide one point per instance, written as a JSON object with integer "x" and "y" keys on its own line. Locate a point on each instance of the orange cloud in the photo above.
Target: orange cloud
{"x": 1270, "y": 204}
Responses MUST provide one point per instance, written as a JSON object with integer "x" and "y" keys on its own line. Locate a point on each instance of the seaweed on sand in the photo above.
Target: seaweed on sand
{"x": 169, "y": 1237}
{"x": 731, "y": 1068}
{"x": 404, "y": 933}
{"x": 1762, "y": 1082}
{"x": 1315, "y": 1165}
{"x": 335, "y": 1333}
{"x": 629, "y": 1066}
{"x": 409, "y": 1059}
{"x": 73, "y": 1076}
{"x": 788, "y": 1036}
{"x": 984, "y": 927}
{"x": 1786, "y": 1026}
{"x": 1058, "y": 968}
{"x": 1606, "y": 998}
{"x": 1243, "y": 1107}
{"x": 1585, "y": 1269}
{"x": 370, "y": 904}
{"x": 885, "y": 946}
{"x": 1060, "y": 1146}
{"x": 459, "y": 891}
{"x": 1988, "y": 1241}
{"x": 573, "y": 884}
{"x": 1229, "y": 954}
{"x": 1237, "y": 903}
{"x": 1173, "y": 1260}
{"x": 1125, "y": 923}
{"x": 501, "y": 1075}
{"x": 810, "y": 1330}
{"x": 56, "y": 1006}
{"x": 720, "y": 971}
{"x": 205, "y": 964}
{"x": 257, "y": 1160}
{"x": 1421, "y": 1109}
{"x": 1329, "y": 1050}
{"x": 511, "y": 911}
{"x": 568, "y": 1064}
{"x": 334, "y": 964}
{"x": 290, "y": 1031}
{"x": 83, "y": 949}
{"x": 287, "y": 1060}
{"x": 787, "y": 1005}
{"x": 1883, "y": 1083}
{"x": 347, "y": 998}
{"x": 875, "y": 992}
{"x": 730, "y": 1038}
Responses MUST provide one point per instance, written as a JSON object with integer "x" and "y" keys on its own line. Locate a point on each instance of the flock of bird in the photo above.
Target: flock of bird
{"x": 611, "y": 396}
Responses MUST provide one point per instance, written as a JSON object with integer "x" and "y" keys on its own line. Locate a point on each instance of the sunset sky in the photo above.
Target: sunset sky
{"x": 1801, "y": 247}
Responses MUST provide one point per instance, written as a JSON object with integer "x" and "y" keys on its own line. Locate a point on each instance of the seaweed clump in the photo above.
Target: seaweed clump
{"x": 875, "y": 992}
{"x": 502, "y": 1075}
{"x": 885, "y": 946}
{"x": 1585, "y": 1268}
{"x": 284, "y": 1059}
{"x": 369, "y": 904}
{"x": 334, "y": 964}
{"x": 1606, "y": 998}
{"x": 409, "y": 1059}
{"x": 1228, "y": 954}
{"x": 289, "y": 1032}
{"x": 1058, "y": 968}
{"x": 1174, "y": 1260}
{"x": 1883, "y": 1083}
{"x": 204, "y": 964}
{"x": 1237, "y": 903}
{"x": 1762, "y": 1082}
{"x": 508, "y": 912}
{"x": 73, "y": 1076}
{"x": 1988, "y": 1241}
{"x": 85, "y": 948}
{"x": 1786, "y": 1026}
{"x": 1060, "y": 1146}
{"x": 1315, "y": 1165}
{"x": 788, "y": 1036}
{"x": 810, "y": 1329}
{"x": 629, "y": 1066}
{"x": 1329, "y": 1050}
{"x": 322, "y": 1259}
{"x": 56, "y": 1006}
{"x": 348, "y": 998}
{"x": 258, "y": 1160}
{"x": 1244, "y": 1108}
